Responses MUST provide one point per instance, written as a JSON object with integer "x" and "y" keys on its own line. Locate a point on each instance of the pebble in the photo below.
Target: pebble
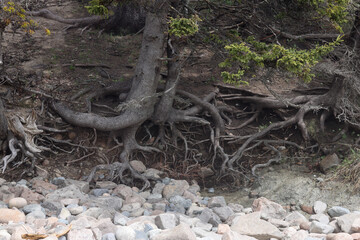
{"x": 171, "y": 210}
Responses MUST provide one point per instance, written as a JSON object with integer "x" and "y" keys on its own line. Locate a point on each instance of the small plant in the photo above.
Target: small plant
{"x": 183, "y": 27}
{"x": 250, "y": 52}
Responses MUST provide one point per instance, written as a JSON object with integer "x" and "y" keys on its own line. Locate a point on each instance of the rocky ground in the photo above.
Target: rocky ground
{"x": 172, "y": 210}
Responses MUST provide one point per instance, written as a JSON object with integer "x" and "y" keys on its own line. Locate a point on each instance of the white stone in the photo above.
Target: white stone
{"x": 319, "y": 207}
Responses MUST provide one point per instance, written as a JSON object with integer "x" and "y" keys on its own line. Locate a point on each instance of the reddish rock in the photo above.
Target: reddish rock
{"x": 223, "y": 228}
{"x": 32, "y": 197}
{"x": 339, "y": 236}
{"x": 43, "y": 187}
{"x": 307, "y": 209}
{"x": 355, "y": 236}
{"x": 14, "y": 215}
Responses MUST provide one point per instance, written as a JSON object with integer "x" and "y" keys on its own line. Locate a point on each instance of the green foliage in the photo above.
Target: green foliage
{"x": 335, "y": 10}
{"x": 250, "y": 52}
{"x": 98, "y": 7}
{"x": 183, "y": 27}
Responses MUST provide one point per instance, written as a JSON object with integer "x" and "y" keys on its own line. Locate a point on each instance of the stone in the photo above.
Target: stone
{"x": 180, "y": 232}
{"x": 251, "y": 225}
{"x": 355, "y": 226}
{"x": 69, "y": 201}
{"x": 223, "y": 212}
{"x": 279, "y": 223}
{"x": 345, "y": 221}
{"x": 38, "y": 214}
{"x": 237, "y": 208}
{"x": 120, "y": 219}
{"x": 295, "y": 218}
{"x": 339, "y": 236}
{"x": 82, "y": 185}
{"x": 307, "y": 209}
{"x": 51, "y": 237}
{"x": 108, "y": 236}
{"x": 131, "y": 207}
{"x": 125, "y": 233}
{"x": 99, "y": 192}
{"x": 138, "y": 166}
{"x": 94, "y": 212}
{"x": 337, "y": 211}
{"x": 105, "y": 225}
{"x": 105, "y": 185}
{"x": 299, "y": 235}
{"x": 43, "y": 187}
{"x": 70, "y": 191}
{"x": 231, "y": 235}
{"x": 122, "y": 191}
{"x": 158, "y": 188}
{"x": 137, "y": 212}
{"x": 31, "y": 196}
{"x": 176, "y": 187}
{"x": 319, "y": 207}
{"x": 59, "y": 181}
{"x": 329, "y": 162}
{"x": 318, "y": 227}
{"x": 268, "y": 209}
{"x": 180, "y": 201}
{"x": 75, "y": 209}
{"x": 19, "y": 230}
{"x": 305, "y": 226}
{"x": 4, "y": 235}
{"x": 206, "y": 172}
{"x": 32, "y": 207}
{"x": 83, "y": 222}
{"x": 166, "y": 221}
{"x": 223, "y": 228}
{"x": 208, "y": 216}
{"x": 51, "y": 208}
{"x": 14, "y": 215}
{"x": 106, "y": 202}
{"x": 18, "y": 202}
{"x": 199, "y": 232}
{"x": 152, "y": 173}
{"x": 320, "y": 217}
{"x": 80, "y": 234}
{"x": 355, "y": 236}
{"x": 64, "y": 213}
{"x": 217, "y": 201}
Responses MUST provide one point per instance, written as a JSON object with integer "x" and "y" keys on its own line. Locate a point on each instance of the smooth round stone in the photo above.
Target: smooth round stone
{"x": 17, "y": 202}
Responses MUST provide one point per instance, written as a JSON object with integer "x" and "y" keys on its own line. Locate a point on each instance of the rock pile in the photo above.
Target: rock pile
{"x": 173, "y": 210}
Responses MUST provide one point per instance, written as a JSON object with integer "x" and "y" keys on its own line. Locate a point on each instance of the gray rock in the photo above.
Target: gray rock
{"x": 105, "y": 185}
{"x": 94, "y": 212}
{"x": 104, "y": 225}
{"x": 64, "y": 213}
{"x": 131, "y": 207}
{"x": 295, "y": 218}
{"x": 279, "y": 223}
{"x": 268, "y": 209}
{"x": 122, "y": 191}
{"x": 194, "y": 188}
{"x": 82, "y": 185}
{"x": 180, "y": 232}
{"x": 159, "y": 206}
{"x": 158, "y": 188}
{"x": 108, "y": 236}
{"x": 59, "y": 181}
{"x": 176, "y": 187}
{"x": 152, "y": 173}
{"x": 318, "y": 227}
{"x": 346, "y": 221}
{"x": 32, "y": 207}
{"x": 51, "y": 208}
{"x": 319, "y": 207}
{"x": 322, "y": 218}
{"x": 166, "y": 221}
{"x": 206, "y": 234}
{"x": 76, "y": 209}
{"x": 194, "y": 210}
{"x": 217, "y": 201}
{"x": 223, "y": 212}
{"x": 337, "y": 211}
{"x": 137, "y": 212}
{"x": 71, "y": 191}
{"x": 180, "y": 201}
{"x": 99, "y": 191}
{"x": 80, "y": 234}
{"x": 140, "y": 235}
{"x": 38, "y": 214}
{"x": 237, "y": 208}
{"x": 125, "y": 233}
{"x": 120, "y": 219}
{"x": 251, "y": 225}
{"x": 329, "y": 162}
{"x": 110, "y": 203}
{"x": 208, "y": 216}
{"x": 138, "y": 166}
